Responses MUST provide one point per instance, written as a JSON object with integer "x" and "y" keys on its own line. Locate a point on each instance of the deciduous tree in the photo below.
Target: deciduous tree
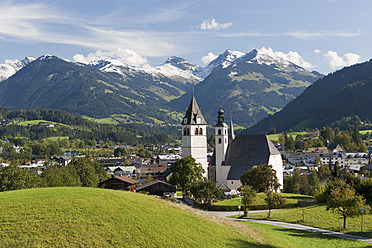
{"x": 184, "y": 172}
{"x": 261, "y": 178}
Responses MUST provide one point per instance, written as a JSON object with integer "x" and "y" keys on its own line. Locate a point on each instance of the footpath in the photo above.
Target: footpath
{"x": 293, "y": 226}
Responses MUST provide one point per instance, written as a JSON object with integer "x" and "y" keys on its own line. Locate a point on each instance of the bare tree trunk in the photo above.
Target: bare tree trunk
{"x": 345, "y": 223}
{"x": 269, "y": 216}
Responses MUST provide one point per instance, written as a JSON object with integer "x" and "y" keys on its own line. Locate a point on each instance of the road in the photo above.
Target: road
{"x": 292, "y": 226}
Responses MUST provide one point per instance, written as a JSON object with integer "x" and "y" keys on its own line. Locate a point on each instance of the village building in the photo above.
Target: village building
{"x": 194, "y": 135}
{"x": 119, "y": 183}
{"x": 232, "y": 155}
{"x": 158, "y": 188}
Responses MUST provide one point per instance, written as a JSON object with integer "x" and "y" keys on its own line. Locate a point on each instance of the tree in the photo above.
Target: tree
{"x": 273, "y": 200}
{"x": 343, "y": 200}
{"x": 314, "y": 183}
{"x": 262, "y": 178}
{"x": 148, "y": 179}
{"x": 249, "y": 196}
{"x": 205, "y": 190}
{"x": 86, "y": 169}
{"x": 184, "y": 172}
{"x": 55, "y": 176}
{"x": 13, "y": 178}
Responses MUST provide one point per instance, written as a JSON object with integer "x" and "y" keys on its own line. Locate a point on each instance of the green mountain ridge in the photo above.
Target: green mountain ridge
{"x": 247, "y": 91}
{"x": 344, "y": 93}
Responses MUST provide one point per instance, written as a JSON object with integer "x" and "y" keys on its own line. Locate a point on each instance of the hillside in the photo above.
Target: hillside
{"x": 50, "y": 82}
{"x": 90, "y": 217}
{"x": 248, "y": 86}
{"x": 341, "y": 94}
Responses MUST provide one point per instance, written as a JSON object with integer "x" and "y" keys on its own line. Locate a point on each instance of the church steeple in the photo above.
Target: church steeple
{"x": 231, "y": 131}
{"x": 193, "y": 114}
{"x": 194, "y": 135}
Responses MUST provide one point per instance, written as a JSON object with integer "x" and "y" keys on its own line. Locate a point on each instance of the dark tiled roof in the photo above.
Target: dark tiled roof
{"x": 192, "y": 113}
{"x": 248, "y": 150}
{"x": 127, "y": 179}
{"x": 367, "y": 167}
{"x": 153, "y": 183}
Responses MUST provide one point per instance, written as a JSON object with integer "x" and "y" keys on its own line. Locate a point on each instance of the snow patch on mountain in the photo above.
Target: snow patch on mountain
{"x": 10, "y": 67}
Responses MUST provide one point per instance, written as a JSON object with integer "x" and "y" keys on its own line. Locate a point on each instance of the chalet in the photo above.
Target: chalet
{"x": 158, "y": 188}
{"x": 62, "y": 160}
{"x": 119, "y": 183}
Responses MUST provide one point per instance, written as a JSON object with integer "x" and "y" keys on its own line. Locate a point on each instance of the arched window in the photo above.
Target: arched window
{"x": 200, "y": 131}
{"x": 219, "y": 140}
{"x": 219, "y": 131}
{"x": 196, "y": 131}
{"x": 185, "y": 131}
{"x": 225, "y": 140}
{"x": 188, "y": 131}
{"x": 225, "y": 131}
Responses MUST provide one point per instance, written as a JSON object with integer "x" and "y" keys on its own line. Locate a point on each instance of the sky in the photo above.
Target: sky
{"x": 321, "y": 35}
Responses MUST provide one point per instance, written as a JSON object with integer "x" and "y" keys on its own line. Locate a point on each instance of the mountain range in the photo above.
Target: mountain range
{"x": 330, "y": 100}
{"x": 249, "y": 86}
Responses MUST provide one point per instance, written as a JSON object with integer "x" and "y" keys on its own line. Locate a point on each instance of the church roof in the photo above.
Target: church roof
{"x": 192, "y": 113}
{"x": 248, "y": 150}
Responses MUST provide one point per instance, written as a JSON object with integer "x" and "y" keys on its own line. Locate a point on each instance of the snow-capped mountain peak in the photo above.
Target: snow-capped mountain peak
{"x": 9, "y": 67}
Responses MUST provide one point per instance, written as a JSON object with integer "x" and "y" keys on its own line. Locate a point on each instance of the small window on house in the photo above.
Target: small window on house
{"x": 201, "y": 131}
{"x": 219, "y": 131}
{"x": 219, "y": 141}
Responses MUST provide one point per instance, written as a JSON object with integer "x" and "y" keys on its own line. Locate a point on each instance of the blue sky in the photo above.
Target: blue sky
{"x": 322, "y": 35}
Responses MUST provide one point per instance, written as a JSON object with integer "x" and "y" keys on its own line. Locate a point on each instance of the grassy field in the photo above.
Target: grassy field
{"x": 290, "y": 199}
{"x": 275, "y": 137}
{"x": 36, "y": 122}
{"x": 290, "y": 238}
{"x": 89, "y": 217}
{"x": 317, "y": 216}
{"x": 57, "y": 138}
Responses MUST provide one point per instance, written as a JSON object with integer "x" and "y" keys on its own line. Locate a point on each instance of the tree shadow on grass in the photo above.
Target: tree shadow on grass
{"x": 363, "y": 234}
{"x": 305, "y": 234}
{"x": 244, "y": 243}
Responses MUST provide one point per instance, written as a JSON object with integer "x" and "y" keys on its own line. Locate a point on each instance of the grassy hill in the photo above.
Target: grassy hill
{"x": 89, "y": 217}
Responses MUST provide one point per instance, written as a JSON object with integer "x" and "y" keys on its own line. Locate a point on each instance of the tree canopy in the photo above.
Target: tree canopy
{"x": 262, "y": 178}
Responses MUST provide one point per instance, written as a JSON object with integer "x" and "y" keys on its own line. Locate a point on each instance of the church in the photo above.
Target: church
{"x": 232, "y": 155}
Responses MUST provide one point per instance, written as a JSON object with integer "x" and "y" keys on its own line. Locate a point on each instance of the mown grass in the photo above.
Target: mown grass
{"x": 288, "y": 238}
{"x": 36, "y": 122}
{"x": 318, "y": 216}
{"x": 57, "y": 138}
{"x": 290, "y": 199}
{"x": 88, "y": 217}
{"x": 275, "y": 137}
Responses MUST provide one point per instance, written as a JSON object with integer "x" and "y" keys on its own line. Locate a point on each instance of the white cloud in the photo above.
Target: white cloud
{"x": 317, "y": 51}
{"x": 213, "y": 24}
{"x": 118, "y": 57}
{"x": 291, "y": 56}
{"x": 335, "y": 61}
{"x": 208, "y": 58}
{"x": 320, "y": 34}
{"x": 37, "y": 22}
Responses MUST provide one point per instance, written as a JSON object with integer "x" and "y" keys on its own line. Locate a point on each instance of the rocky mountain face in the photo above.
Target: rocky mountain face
{"x": 10, "y": 67}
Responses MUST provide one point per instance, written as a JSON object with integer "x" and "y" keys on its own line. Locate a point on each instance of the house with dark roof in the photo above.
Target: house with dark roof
{"x": 119, "y": 183}
{"x": 158, "y": 188}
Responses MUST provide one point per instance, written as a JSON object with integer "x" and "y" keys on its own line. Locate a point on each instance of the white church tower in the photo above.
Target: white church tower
{"x": 221, "y": 144}
{"x": 194, "y": 135}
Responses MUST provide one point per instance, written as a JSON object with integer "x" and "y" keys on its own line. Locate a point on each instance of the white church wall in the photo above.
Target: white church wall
{"x": 277, "y": 163}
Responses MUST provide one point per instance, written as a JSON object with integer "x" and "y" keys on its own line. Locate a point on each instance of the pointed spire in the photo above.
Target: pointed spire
{"x": 193, "y": 113}
{"x": 231, "y": 131}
